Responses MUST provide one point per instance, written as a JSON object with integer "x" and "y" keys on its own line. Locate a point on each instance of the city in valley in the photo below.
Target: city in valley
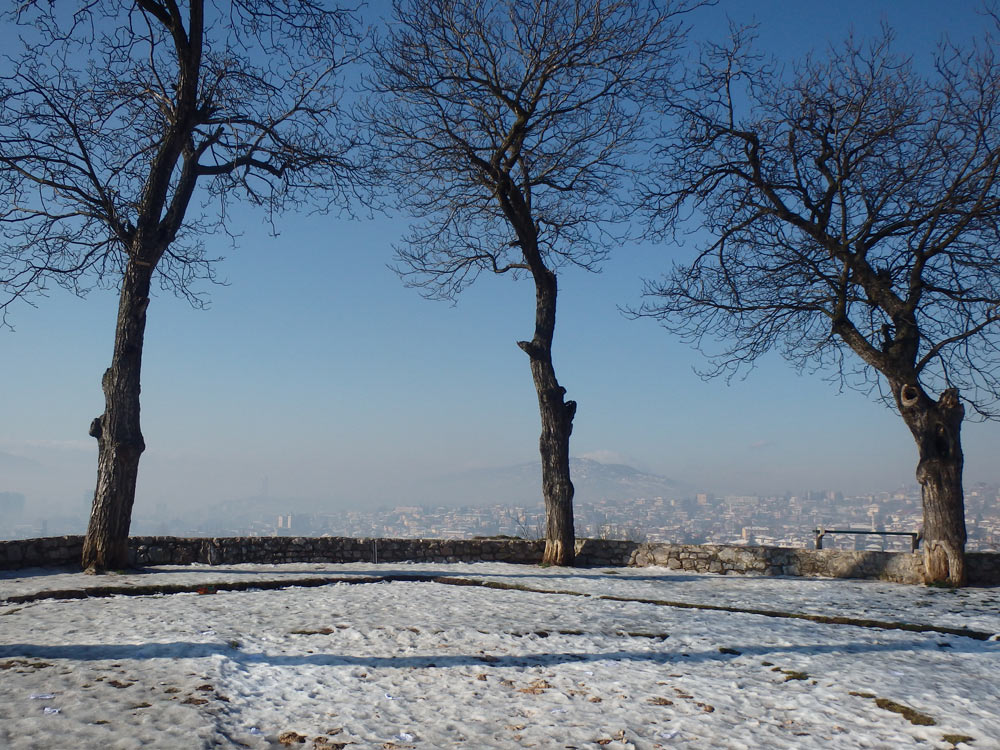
{"x": 788, "y": 520}
{"x": 702, "y": 518}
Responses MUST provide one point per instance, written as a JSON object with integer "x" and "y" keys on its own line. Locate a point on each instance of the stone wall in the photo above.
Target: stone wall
{"x": 166, "y": 550}
{"x": 984, "y": 568}
{"x": 222, "y": 551}
{"x": 897, "y": 567}
{"x": 782, "y": 561}
{"x": 45, "y": 552}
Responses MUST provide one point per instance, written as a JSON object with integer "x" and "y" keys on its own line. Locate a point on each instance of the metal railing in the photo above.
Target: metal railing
{"x": 915, "y": 536}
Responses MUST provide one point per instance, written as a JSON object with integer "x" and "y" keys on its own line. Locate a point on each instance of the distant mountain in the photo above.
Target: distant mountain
{"x": 10, "y": 462}
{"x": 596, "y": 481}
{"x": 522, "y": 484}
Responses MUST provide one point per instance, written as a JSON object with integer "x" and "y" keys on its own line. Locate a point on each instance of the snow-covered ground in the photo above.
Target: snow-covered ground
{"x": 409, "y": 664}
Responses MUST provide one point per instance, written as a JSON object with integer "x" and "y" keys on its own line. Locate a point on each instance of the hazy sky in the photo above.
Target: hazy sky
{"x": 317, "y": 369}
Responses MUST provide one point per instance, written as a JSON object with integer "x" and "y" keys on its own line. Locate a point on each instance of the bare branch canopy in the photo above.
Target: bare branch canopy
{"x": 522, "y": 118}
{"x": 126, "y": 129}
{"x": 114, "y": 114}
{"x": 512, "y": 131}
{"x": 854, "y": 215}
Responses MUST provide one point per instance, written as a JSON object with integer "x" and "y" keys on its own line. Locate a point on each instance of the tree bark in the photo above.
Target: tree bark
{"x": 936, "y": 427}
{"x": 118, "y": 433}
{"x": 557, "y": 426}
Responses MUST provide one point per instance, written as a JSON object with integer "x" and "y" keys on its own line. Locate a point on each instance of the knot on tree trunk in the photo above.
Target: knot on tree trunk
{"x": 909, "y": 395}
{"x": 927, "y": 469}
{"x": 95, "y": 428}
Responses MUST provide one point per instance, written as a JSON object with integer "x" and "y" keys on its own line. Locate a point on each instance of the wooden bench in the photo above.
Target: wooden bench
{"x": 915, "y": 536}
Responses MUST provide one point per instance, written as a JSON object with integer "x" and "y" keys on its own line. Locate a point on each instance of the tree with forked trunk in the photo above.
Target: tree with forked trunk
{"x": 509, "y": 129}
{"x": 117, "y": 119}
{"x": 855, "y": 212}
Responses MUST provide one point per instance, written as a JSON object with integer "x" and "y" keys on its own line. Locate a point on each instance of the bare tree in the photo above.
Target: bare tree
{"x": 854, "y": 207}
{"x": 510, "y": 128}
{"x": 116, "y": 120}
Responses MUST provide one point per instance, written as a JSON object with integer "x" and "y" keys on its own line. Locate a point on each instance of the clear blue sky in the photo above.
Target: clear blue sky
{"x": 317, "y": 369}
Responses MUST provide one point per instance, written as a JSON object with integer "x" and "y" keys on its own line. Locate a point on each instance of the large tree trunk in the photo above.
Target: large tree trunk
{"x": 118, "y": 433}
{"x": 936, "y": 427}
{"x": 557, "y": 425}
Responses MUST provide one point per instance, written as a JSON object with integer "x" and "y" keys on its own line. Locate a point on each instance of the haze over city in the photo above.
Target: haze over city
{"x": 316, "y": 374}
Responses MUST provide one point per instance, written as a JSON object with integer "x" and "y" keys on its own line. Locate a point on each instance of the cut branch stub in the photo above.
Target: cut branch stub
{"x": 908, "y": 396}
{"x": 570, "y": 410}
{"x": 949, "y": 400}
{"x": 530, "y": 348}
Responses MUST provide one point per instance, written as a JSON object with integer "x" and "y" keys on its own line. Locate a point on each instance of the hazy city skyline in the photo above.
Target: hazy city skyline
{"x": 317, "y": 369}
{"x": 613, "y": 502}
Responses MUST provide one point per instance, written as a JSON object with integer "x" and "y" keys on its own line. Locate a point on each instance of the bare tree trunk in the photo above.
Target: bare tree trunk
{"x": 936, "y": 427}
{"x": 553, "y": 445}
{"x": 557, "y": 426}
{"x": 118, "y": 433}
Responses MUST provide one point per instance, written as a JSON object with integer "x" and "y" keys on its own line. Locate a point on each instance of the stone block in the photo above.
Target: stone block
{"x": 727, "y": 554}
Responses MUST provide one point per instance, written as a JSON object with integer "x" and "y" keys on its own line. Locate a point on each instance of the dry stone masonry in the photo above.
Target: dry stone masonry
{"x": 898, "y": 567}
